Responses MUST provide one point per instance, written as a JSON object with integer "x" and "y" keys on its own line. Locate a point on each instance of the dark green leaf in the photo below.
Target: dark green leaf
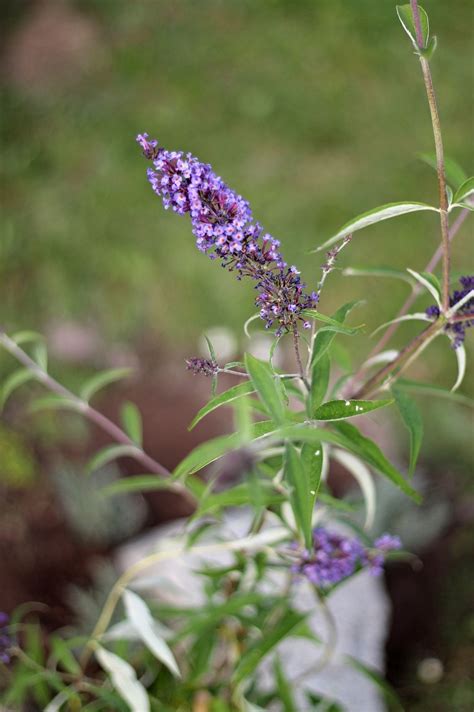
{"x": 324, "y": 338}
{"x": 240, "y": 495}
{"x": 270, "y": 638}
{"x": 300, "y": 498}
{"x": 413, "y": 422}
{"x": 263, "y": 380}
{"x": 342, "y": 409}
{"x": 312, "y": 459}
{"x": 132, "y": 422}
{"x": 102, "y": 379}
{"x": 228, "y": 396}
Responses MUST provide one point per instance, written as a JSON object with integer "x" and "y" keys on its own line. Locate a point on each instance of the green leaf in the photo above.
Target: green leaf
{"x": 14, "y": 381}
{"x": 405, "y": 15}
{"x": 312, "y": 458}
{"x": 342, "y": 409}
{"x": 455, "y": 174}
{"x": 430, "y": 49}
{"x": 464, "y": 190}
{"x": 215, "y": 448}
{"x": 324, "y": 338}
{"x": 319, "y": 383}
{"x": 136, "y": 483}
{"x": 377, "y": 272}
{"x": 284, "y": 689}
{"x": 297, "y": 478}
{"x": 332, "y": 324}
{"x": 371, "y": 453}
{"x": 228, "y": 396}
{"x": 263, "y": 380}
{"x": 141, "y": 619}
{"x": 54, "y": 403}
{"x": 40, "y": 355}
{"x": 430, "y": 389}
{"x": 250, "y": 659}
{"x": 25, "y": 337}
{"x": 429, "y": 282}
{"x": 413, "y": 422}
{"x": 132, "y": 422}
{"x": 348, "y": 436}
{"x": 379, "y": 681}
{"x": 64, "y": 656}
{"x": 102, "y": 379}
{"x": 238, "y": 496}
{"x": 376, "y": 215}
{"x": 109, "y": 454}
{"x": 212, "y": 352}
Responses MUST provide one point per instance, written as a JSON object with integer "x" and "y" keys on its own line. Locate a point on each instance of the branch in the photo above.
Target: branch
{"x": 94, "y": 416}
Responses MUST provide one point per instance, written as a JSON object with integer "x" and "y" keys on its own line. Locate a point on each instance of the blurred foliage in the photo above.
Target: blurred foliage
{"x": 17, "y": 468}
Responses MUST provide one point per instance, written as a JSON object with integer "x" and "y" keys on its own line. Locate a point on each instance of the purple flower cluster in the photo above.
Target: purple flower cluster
{"x": 204, "y": 366}
{"x": 5, "y": 639}
{"x": 457, "y": 330}
{"x": 335, "y": 557}
{"x": 224, "y": 229}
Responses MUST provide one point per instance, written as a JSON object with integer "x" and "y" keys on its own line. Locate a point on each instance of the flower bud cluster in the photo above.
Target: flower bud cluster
{"x": 224, "y": 229}
{"x": 457, "y": 330}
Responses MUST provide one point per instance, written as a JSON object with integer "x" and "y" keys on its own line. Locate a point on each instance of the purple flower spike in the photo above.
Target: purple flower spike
{"x": 224, "y": 228}
{"x": 458, "y": 331}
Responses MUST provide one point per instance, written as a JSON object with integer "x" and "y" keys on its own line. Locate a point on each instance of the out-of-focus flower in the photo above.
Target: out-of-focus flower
{"x": 204, "y": 366}
{"x": 336, "y": 557}
{"x": 224, "y": 229}
{"x": 5, "y": 639}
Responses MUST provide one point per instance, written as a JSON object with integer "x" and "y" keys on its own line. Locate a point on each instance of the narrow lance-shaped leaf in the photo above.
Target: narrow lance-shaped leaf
{"x": 124, "y": 680}
{"x": 419, "y": 316}
{"x": 54, "y": 403}
{"x": 140, "y": 617}
{"x": 228, "y": 396}
{"x": 263, "y": 380}
{"x": 376, "y": 215}
{"x": 25, "y": 337}
{"x": 364, "y": 478}
{"x": 312, "y": 458}
{"x": 342, "y": 409}
{"x": 377, "y": 272}
{"x": 132, "y": 422}
{"x": 14, "y": 381}
{"x": 413, "y": 422}
{"x": 429, "y": 282}
{"x": 324, "y": 338}
{"x": 319, "y": 383}
{"x": 455, "y": 174}
{"x": 460, "y": 352}
{"x": 297, "y": 478}
{"x": 270, "y": 638}
{"x": 464, "y": 191}
{"x": 102, "y": 379}
{"x": 109, "y": 454}
{"x": 430, "y": 389}
{"x": 331, "y": 323}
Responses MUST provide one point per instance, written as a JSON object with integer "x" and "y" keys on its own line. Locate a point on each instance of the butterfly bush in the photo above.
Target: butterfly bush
{"x": 224, "y": 228}
{"x": 457, "y": 331}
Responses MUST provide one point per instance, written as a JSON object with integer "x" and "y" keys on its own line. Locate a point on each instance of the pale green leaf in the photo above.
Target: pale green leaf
{"x": 418, "y": 316}
{"x": 460, "y": 353}
{"x": 430, "y": 389}
{"x": 376, "y": 215}
{"x": 377, "y": 272}
{"x": 319, "y": 383}
{"x": 25, "y": 337}
{"x": 124, "y": 680}
{"x": 54, "y": 403}
{"x": 141, "y": 619}
{"x": 331, "y": 323}
{"x": 429, "y": 282}
{"x": 14, "y": 381}
{"x": 324, "y": 339}
{"x": 102, "y": 379}
{"x": 228, "y": 396}
{"x": 464, "y": 191}
{"x": 364, "y": 478}
{"x": 132, "y": 422}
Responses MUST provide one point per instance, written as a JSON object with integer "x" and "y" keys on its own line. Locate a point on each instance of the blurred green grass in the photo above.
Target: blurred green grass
{"x": 313, "y": 110}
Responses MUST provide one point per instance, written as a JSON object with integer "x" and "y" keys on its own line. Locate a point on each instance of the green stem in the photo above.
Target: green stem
{"x": 440, "y": 168}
